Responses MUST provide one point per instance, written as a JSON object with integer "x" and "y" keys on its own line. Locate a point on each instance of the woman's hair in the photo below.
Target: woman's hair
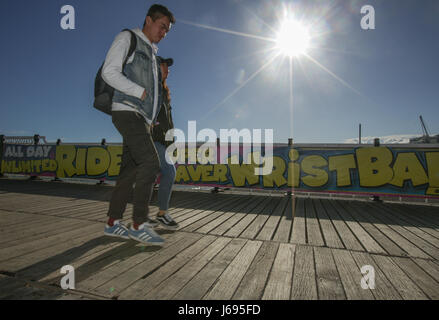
{"x": 166, "y": 88}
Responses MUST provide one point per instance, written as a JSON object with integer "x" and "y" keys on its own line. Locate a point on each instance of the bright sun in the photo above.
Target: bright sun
{"x": 293, "y": 38}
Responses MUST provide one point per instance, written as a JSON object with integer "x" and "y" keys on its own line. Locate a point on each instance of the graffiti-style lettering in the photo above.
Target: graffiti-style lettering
{"x": 13, "y": 152}
{"x": 38, "y": 151}
{"x": 242, "y": 173}
{"x": 433, "y": 172}
{"x": 408, "y": 167}
{"x": 398, "y": 170}
{"x": 115, "y": 160}
{"x": 293, "y": 168}
{"x": 277, "y": 175}
{"x": 65, "y": 156}
{"x": 194, "y": 172}
{"x": 342, "y": 166}
{"x": 98, "y": 161}
{"x": 220, "y": 172}
{"x": 374, "y": 166}
{"x": 207, "y": 174}
{"x": 48, "y": 165}
{"x": 312, "y": 165}
{"x": 182, "y": 174}
{"x": 36, "y": 166}
{"x": 81, "y": 155}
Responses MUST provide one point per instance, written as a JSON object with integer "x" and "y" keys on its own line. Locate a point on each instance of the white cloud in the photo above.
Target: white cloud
{"x": 398, "y": 138}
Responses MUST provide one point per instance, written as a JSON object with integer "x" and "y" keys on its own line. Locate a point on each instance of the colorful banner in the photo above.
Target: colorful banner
{"x": 407, "y": 170}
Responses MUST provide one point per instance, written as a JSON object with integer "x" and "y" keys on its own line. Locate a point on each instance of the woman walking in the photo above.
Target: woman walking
{"x": 167, "y": 170}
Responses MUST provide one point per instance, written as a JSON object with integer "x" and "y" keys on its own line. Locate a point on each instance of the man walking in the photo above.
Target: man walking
{"x": 136, "y": 104}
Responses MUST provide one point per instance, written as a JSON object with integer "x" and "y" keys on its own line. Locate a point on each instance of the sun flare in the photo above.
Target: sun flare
{"x": 293, "y": 38}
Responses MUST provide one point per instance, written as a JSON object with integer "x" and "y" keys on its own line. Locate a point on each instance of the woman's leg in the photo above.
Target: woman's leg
{"x": 167, "y": 178}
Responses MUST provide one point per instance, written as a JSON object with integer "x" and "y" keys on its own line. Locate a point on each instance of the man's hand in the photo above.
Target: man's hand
{"x": 143, "y": 95}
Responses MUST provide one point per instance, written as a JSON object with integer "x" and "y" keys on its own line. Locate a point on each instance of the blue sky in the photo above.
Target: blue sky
{"x": 387, "y": 77}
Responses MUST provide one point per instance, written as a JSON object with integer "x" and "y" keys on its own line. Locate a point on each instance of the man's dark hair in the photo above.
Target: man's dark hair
{"x": 157, "y": 11}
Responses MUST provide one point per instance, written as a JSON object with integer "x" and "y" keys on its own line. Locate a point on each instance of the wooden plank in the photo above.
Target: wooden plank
{"x": 406, "y": 287}
{"x": 17, "y": 220}
{"x": 350, "y": 276}
{"x": 89, "y": 209}
{"x": 147, "y": 258}
{"x": 76, "y": 206}
{"x": 425, "y": 282}
{"x": 282, "y": 233}
{"x": 193, "y": 204}
{"x": 400, "y": 225}
{"x": 239, "y": 227}
{"x": 365, "y": 239}
{"x": 24, "y": 248}
{"x": 237, "y": 216}
{"x": 212, "y": 216}
{"x": 346, "y": 235}
{"x": 53, "y": 205}
{"x": 270, "y": 226}
{"x": 304, "y": 277}
{"x": 135, "y": 284}
{"x": 108, "y": 269}
{"x": 40, "y": 232}
{"x": 172, "y": 266}
{"x": 402, "y": 242}
{"x": 229, "y": 281}
{"x": 196, "y": 215}
{"x": 28, "y": 222}
{"x": 419, "y": 247}
{"x": 83, "y": 262}
{"x": 77, "y": 209}
{"x": 8, "y": 285}
{"x": 384, "y": 289}
{"x": 197, "y": 287}
{"x": 256, "y": 225}
{"x": 33, "y": 208}
{"x": 51, "y": 265}
{"x": 225, "y": 216}
{"x": 298, "y": 234}
{"x": 174, "y": 283}
{"x": 420, "y": 212}
{"x": 25, "y": 222}
{"x": 37, "y": 263}
{"x": 329, "y": 286}
{"x": 55, "y": 245}
{"x": 22, "y": 202}
{"x": 430, "y": 214}
{"x": 280, "y": 280}
{"x": 331, "y": 237}
{"x": 253, "y": 283}
{"x": 314, "y": 235}
{"x": 429, "y": 267}
{"x": 366, "y": 222}
{"x": 414, "y": 220}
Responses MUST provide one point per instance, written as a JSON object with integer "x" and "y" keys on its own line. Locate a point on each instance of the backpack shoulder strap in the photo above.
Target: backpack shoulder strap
{"x": 133, "y": 45}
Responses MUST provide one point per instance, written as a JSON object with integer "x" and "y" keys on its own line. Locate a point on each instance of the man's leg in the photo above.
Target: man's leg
{"x": 124, "y": 185}
{"x": 140, "y": 166}
{"x": 147, "y": 167}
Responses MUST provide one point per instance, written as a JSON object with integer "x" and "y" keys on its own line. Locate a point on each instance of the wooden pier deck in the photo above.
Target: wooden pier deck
{"x": 228, "y": 246}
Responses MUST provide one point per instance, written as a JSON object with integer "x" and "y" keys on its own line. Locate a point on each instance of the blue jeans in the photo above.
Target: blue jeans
{"x": 167, "y": 177}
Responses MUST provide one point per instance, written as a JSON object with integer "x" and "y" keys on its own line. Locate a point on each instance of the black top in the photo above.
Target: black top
{"x": 165, "y": 123}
